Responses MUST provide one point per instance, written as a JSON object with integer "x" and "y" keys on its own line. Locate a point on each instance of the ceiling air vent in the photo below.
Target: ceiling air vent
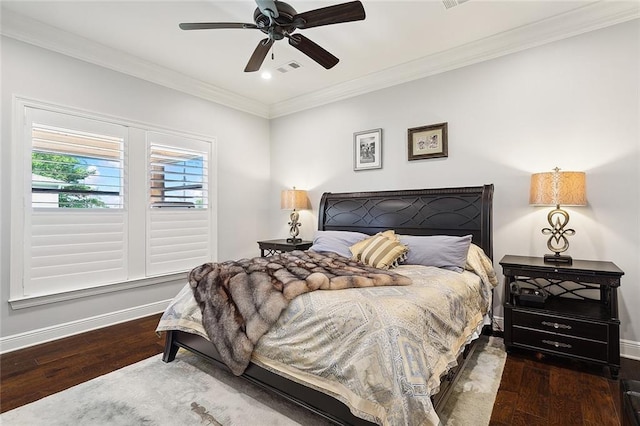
{"x": 289, "y": 66}
{"x": 451, "y": 3}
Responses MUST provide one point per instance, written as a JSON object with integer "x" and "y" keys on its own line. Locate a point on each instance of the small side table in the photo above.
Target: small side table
{"x": 579, "y": 318}
{"x": 271, "y": 247}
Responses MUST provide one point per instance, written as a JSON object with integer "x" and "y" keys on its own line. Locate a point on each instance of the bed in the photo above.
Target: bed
{"x": 453, "y": 212}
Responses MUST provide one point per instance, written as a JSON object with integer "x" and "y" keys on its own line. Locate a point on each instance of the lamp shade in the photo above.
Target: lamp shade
{"x": 558, "y": 188}
{"x": 293, "y": 199}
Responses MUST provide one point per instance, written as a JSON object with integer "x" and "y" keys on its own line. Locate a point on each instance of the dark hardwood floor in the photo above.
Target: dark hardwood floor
{"x": 544, "y": 390}
{"x": 29, "y": 374}
{"x": 533, "y": 391}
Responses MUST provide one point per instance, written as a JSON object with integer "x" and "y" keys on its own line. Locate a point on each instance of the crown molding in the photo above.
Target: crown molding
{"x": 588, "y": 18}
{"x": 34, "y": 32}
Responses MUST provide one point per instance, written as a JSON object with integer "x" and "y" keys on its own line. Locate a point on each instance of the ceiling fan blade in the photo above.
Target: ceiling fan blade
{"x": 345, "y": 12}
{"x": 256, "y": 60}
{"x": 312, "y": 50}
{"x": 215, "y": 25}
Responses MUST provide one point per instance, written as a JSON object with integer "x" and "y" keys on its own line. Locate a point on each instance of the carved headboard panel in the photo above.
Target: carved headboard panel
{"x": 443, "y": 211}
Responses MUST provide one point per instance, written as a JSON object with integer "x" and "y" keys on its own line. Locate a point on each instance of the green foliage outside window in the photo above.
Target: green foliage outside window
{"x": 68, "y": 169}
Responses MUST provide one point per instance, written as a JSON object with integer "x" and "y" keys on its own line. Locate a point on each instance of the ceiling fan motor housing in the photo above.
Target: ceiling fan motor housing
{"x": 284, "y": 19}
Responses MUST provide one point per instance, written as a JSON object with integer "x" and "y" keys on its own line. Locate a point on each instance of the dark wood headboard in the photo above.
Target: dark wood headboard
{"x": 442, "y": 211}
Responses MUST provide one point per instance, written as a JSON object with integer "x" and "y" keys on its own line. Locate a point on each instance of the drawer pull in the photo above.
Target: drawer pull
{"x": 557, "y": 344}
{"x": 556, "y": 325}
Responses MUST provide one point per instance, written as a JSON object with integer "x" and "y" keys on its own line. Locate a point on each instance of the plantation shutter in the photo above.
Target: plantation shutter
{"x": 179, "y": 217}
{"x": 75, "y": 250}
{"x": 81, "y": 243}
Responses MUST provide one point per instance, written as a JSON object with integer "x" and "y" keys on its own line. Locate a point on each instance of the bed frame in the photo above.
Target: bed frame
{"x": 444, "y": 211}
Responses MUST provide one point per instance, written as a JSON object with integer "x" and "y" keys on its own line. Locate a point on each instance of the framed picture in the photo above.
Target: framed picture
{"x": 428, "y": 142}
{"x": 367, "y": 150}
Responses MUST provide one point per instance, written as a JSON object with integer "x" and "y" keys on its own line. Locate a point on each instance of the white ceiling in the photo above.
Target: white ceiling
{"x": 398, "y": 41}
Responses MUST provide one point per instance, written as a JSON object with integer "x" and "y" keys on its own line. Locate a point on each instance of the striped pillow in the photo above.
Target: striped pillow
{"x": 357, "y": 247}
{"x": 379, "y": 251}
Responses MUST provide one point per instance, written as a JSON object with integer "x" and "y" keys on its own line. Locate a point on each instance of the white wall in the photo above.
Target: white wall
{"x": 572, "y": 104}
{"x": 242, "y": 154}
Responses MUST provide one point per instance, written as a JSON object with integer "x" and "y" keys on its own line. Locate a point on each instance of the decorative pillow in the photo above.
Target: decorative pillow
{"x": 357, "y": 247}
{"x": 379, "y": 251}
{"x": 442, "y": 251}
{"x": 336, "y": 241}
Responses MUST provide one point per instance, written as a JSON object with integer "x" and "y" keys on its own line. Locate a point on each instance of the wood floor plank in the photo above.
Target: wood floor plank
{"x": 27, "y": 381}
{"x": 565, "y": 412}
{"x": 564, "y": 383}
{"x": 534, "y": 393}
{"x": 15, "y": 366}
{"x": 629, "y": 369}
{"x": 614, "y": 391}
{"x": 52, "y": 352}
{"x": 503, "y": 408}
{"x": 598, "y": 406}
{"x": 512, "y": 374}
{"x": 520, "y": 418}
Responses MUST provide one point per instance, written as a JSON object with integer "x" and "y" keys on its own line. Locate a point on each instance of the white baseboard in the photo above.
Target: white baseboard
{"x": 59, "y": 331}
{"x": 628, "y": 348}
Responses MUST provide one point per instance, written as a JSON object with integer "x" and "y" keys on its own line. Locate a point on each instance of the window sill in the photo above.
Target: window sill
{"x": 31, "y": 301}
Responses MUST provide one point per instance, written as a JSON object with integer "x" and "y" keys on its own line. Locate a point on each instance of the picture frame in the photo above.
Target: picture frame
{"x": 367, "y": 150}
{"x": 428, "y": 142}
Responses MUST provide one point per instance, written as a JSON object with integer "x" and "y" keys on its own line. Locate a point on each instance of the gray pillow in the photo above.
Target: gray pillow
{"x": 442, "y": 251}
{"x": 336, "y": 241}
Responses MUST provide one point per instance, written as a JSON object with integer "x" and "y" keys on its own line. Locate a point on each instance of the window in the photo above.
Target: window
{"x": 75, "y": 232}
{"x": 108, "y": 203}
{"x": 177, "y": 214}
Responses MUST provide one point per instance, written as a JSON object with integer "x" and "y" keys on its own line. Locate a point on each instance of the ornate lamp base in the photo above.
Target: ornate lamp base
{"x": 558, "y": 242}
{"x": 293, "y": 228}
{"x": 558, "y": 258}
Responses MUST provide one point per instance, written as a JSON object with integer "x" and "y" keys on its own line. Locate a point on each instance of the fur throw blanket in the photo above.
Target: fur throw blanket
{"x": 241, "y": 300}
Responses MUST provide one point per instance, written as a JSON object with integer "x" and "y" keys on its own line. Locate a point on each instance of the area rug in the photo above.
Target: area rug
{"x": 471, "y": 400}
{"x": 190, "y": 391}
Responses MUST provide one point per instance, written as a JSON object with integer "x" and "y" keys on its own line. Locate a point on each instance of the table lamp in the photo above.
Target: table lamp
{"x": 555, "y": 189}
{"x": 293, "y": 199}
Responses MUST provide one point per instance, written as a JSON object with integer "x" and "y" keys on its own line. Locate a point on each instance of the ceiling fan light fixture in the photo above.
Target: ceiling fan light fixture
{"x": 266, "y": 75}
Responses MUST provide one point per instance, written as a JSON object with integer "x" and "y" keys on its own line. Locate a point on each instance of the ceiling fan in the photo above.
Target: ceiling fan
{"x": 278, "y": 20}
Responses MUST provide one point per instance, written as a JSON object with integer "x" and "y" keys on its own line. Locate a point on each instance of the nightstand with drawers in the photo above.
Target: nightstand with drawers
{"x": 271, "y": 247}
{"x": 578, "y": 318}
